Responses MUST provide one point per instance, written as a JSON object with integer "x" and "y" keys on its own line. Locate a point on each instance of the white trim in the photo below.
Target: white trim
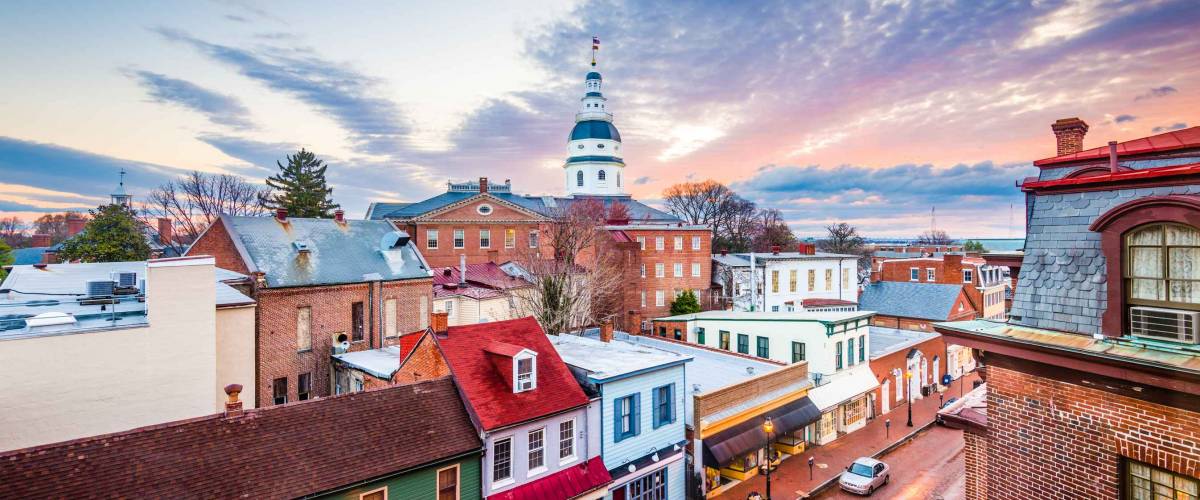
{"x": 200, "y": 260}
{"x": 457, "y": 480}
{"x": 376, "y": 490}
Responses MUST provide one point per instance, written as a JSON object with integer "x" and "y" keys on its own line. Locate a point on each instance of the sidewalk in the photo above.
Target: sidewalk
{"x": 791, "y": 480}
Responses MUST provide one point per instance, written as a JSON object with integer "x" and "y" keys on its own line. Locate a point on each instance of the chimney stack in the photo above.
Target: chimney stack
{"x": 775, "y": 249}
{"x": 233, "y": 407}
{"x": 483, "y": 186}
{"x": 1069, "y": 134}
{"x": 724, "y": 252}
{"x": 40, "y": 240}
{"x": 439, "y": 322}
{"x": 1113, "y": 167}
{"x": 75, "y": 224}
{"x": 462, "y": 269}
{"x": 606, "y": 331}
{"x": 281, "y": 214}
{"x": 339, "y": 215}
{"x": 166, "y": 231}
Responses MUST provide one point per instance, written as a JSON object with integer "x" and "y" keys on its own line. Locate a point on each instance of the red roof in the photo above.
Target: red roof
{"x": 283, "y": 451}
{"x": 1177, "y": 139}
{"x": 408, "y": 341}
{"x": 1119, "y": 177}
{"x": 826, "y": 302}
{"x": 566, "y": 483}
{"x": 487, "y": 274}
{"x": 486, "y": 391}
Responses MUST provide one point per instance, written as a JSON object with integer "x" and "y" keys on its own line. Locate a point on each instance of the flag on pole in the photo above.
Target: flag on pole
{"x": 595, "y": 43}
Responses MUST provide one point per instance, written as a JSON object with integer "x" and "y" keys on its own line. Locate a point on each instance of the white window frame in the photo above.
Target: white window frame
{"x": 968, "y": 275}
{"x": 529, "y": 451}
{"x": 533, "y": 238}
{"x": 679, "y": 242}
{"x": 459, "y": 235}
{"x": 643, "y": 269}
{"x": 660, "y": 298}
{"x": 660, "y": 270}
{"x": 570, "y": 441}
{"x": 914, "y": 274}
{"x": 931, "y": 274}
{"x": 641, "y": 242}
{"x": 658, "y": 243}
{"x": 695, "y": 242}
{"x": 677, "y": 270}
{"x": 510, "y": 242}
{"x": 695, "y": 269}
{"x": 502, "y": 481}
{"x": 516, "y": 381}
{"x": 485, "y": 239}
{"x": 643, "y": 298}
{"x": 431, "y": 239}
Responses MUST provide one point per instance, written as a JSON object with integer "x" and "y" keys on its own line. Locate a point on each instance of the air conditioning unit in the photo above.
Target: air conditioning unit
{"x": 1172, "y": 325}
{"x": 124, "y": 279}
{"x": 100, "y": 288}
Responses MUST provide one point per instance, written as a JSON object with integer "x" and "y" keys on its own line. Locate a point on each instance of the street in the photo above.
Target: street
{"x": 931, "y": 466}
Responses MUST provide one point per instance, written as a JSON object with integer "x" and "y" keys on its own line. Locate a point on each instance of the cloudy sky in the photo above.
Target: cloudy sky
{"x": 867, "y": 112}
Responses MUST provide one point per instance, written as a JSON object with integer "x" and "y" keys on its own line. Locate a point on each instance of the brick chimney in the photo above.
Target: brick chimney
{"x": 775, "y": 249}
{"x": 439, "y": 322}
{"x": 724, "y": 252}
{"x": 75, "y": 224}
{"x": 953, "y": 266}
{"x": 606, "y": 331}
{"x": 40, "y": 240}
{"x": 49, "y": 257}
{"x": 233, "y": 407}
{"x": 1113, "y": 165}
{"x": 166, "y": 231}
{"x": 339, "y": 215}
{"x": 1069, "y": 133}
{"x": 483, "y": 185}
{"x": 281, "y": 214}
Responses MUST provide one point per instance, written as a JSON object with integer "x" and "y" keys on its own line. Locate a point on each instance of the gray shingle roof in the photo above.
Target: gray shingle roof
{"x": 932, "y": 301}
{"x": 337, "y": 253}
{"x": 544, "y": 205}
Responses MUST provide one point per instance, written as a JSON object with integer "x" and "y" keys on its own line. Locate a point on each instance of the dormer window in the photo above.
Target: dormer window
{"x": 525, "y": 373}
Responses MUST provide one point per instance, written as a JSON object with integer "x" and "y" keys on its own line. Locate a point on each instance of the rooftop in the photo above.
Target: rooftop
{"x": 611, "y": 360}
{"x": 932, "y": 301}
{"x": 970, "y": 411}
{"x": 884, "y": 341}
{"x": 380, "y": 363}
{"x": 825, "y": 317}
{"x": 1169, "y": 141}
{"x": 546, "y": 206}
{"x": 258, "y": 454}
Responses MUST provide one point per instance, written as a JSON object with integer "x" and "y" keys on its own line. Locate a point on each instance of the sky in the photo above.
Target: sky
{"x": 873, "y": 113}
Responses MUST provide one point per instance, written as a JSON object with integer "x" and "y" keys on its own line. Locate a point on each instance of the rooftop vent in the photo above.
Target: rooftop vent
{"x": 100, "y": 288}
{"x": 302, "y": 246}
{"x": 124, "y": 279}
{"x": 50, "y": 319}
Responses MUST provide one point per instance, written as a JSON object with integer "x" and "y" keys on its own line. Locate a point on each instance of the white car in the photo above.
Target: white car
{"x": 864, "y": 476}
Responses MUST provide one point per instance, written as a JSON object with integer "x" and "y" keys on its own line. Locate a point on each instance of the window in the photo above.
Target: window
{"x": 279, "y": 389}
{"x": 724, "y": 339}
{"x": 678, "y": 334}
{"x": 763, "y": 347}
{"x": 700, "y": 336}
{"x": 664, "y": 405}
{"x": 526, "y": 375}
{"x": 579, "y": 178}
{"x": 862, "y": 348}
{"x": 533, "y": 239}
{"x": 1147, "y": 481}
{"x": 356, "y": 320}
{"x": 838, "y": 349}
{"x": 812, "y": 280}
{"x": 695, "y": 269}
{"x": 966, "y": 275}
{"x": 743, "y": 343}
{"x": 1161, "y": 266}
{"x": 303, "y": 386}
{"x": 537, "y": 449}
{"x": 566, "y": 440}
{"x": 828, "y": 280}
{"x": 845, "y": 278}
{"x": 677, "y": 270}
{"x": 775, "y": 281}
{"x": 652, "y": 486}
{"x": 793, "y": 276}
{"x": 304, "y": 329}
{"x": 679, "y": 242}
{"x": 502, "y": 459}
{"x": 659, "y": 298}
{"x": 643, "y": 269}
{"x": 930, "y": 274}
{"x": 797, "y": 352}
{"x": 914, "y": 274}
{"x": 378, "y": 494}
{"x": 625, "y": 411}
{"x": 390, "y": 328}
{"x": 695, "y": 242}
{"x": 774, "y": 308}
{"x": 510, "y": 238}
{"x": 641, "y": 242}
{"x": 459, "y": 239}
{"x": 484, "y": 209}
{"x": 643, "y": 292}
{"x": 485, "y": 238}
{"x": 447, "y": 483}
{"x": 850, "y": 351}
{"x": 600, "y": 174}
{"x": 659, "y": 270}
{"x": 662, "y": 331}
{"x": 431, "y": 239}
{"x": 449, "y": 308}
{"x": 658, "y": 243}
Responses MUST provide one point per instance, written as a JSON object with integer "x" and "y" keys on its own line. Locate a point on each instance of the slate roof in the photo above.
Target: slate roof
{"x": 484, "y": 388}
{"x": 283, "y": 451}
{"x": 932, "y": 301}
{"x": 1169, "y": 141}
{"x": 338, "y": 253}
{"x": 543, "y": 205}
{"x": 27, "y": 256}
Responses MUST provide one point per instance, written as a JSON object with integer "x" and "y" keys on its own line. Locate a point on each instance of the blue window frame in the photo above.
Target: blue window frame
{"x": 838, "y": 350}
{"x": 850, "y": 351}
{"x": 743, "y": 343}
{"x": 862, "y": 348}
{"x": 625, "y": 417}
{"x": 664, "y": 405}
{"x": 762, "y": 344}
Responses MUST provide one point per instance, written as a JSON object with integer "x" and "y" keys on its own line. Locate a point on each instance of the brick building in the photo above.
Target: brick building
{"x": 984, "y": 284}
{"x": 896, "y": 352}
{"x": 321, "y": 285}
{"x": 1093, "y": 387}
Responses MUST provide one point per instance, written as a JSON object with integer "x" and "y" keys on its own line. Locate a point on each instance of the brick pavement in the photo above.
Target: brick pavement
{"x": 791, "y": 479}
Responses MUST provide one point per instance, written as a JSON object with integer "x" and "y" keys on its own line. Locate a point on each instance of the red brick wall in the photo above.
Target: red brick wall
{"x": 425, "y": 363}
{"x": 883, "y": 366}
{"x": 277, "y": 344}
{"x": 668, "y": 257}
{"x": 975, "y": 454}
{"x": 217, "y": 243}
{"x": 658, "y": 327}
{"x": 1051, "y": 439}
{"x": 471, "y": 222}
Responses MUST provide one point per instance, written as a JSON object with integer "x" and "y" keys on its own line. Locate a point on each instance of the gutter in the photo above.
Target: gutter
{"x": 390, "y": 475}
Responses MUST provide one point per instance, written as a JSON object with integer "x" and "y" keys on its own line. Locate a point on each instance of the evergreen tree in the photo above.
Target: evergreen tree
{"x": 300, "y": 187}
{"x": 685, "y": 304}
{"x": 974, "y": 246}
{"x": 113, "y": 235}
{"x": 6, "y": 258}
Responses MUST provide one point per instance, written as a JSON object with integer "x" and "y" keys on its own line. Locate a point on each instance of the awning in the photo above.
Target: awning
{"x": 741, "y": 438}
{"x": 570, "y": 482}
{"x": 843, "y": 386}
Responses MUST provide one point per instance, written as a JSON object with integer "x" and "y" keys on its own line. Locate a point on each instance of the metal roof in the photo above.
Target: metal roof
{"x": 26, "y": 256}
{"x": 1169, "y": 141}
{"x": 884, "y": 341}
{"x": 827, "y": 317}
{"x": 608, "y": 360}
{"x": 932, "y": 301}
{"x": 546, "y": 206}
{"x": 595, "y": 129}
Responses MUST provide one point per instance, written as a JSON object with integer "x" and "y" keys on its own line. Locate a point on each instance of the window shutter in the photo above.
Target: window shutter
{"x": 618, "y": 432}
{"x": 654, "y": 411}
{"x": 637, "y": 414}
{"x": 671, "y": 403}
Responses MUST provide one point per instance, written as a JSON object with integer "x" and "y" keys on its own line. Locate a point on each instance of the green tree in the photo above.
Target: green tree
{"x": 685, "y": 304}
{"x": 113, "y": 235}
{"x": 6, "y": 258}
{"x": 973, "y": 246}
{"x": 300, "y": 187}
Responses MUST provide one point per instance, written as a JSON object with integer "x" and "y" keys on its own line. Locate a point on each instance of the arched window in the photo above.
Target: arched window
{"x": 600, "y": 175}
{"x": 579, "y": 178}
{"x": 1162, "y": 266}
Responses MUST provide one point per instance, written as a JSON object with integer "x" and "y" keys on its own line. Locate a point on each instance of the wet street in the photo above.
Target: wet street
{"x": 931, "y": 466}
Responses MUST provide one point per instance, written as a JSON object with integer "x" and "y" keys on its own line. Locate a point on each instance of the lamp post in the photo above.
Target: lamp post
{"x": 768, "y": 428}
{"x": 908, "y": 392}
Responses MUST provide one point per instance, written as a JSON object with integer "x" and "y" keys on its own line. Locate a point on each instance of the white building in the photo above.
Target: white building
{"x": 788, "y": 281}
{"x": 594, "y": 163}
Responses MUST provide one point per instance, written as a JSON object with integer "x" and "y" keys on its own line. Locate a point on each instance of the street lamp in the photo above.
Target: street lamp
{"x": 908, "y": 391}
{"x": 768, "y": 428}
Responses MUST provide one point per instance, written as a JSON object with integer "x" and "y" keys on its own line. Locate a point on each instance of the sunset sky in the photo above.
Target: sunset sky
{"x": 870, "y": 113}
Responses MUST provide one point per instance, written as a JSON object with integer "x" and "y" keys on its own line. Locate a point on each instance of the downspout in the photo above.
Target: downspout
{"x": 371, "y": 314}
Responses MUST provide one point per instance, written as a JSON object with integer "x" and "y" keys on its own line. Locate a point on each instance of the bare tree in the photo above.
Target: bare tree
{"x": 771, "y": 231}
{"x": 734, "y": 220}
{"x": 54, "y": 225}
{"x": 12, "y": 232}
{"x": 844, "y": 239}
{"x": 197, "y": 199}
{"x": 934, "y": 237}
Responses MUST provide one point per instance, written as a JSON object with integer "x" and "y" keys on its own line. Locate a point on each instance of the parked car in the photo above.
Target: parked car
{"x": 938, "y": 417}
{"x": 864, "y": 476}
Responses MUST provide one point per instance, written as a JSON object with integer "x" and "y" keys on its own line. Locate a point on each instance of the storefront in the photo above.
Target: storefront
{"x": 736, "y": 452}
{"x": 842, "y": 399}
